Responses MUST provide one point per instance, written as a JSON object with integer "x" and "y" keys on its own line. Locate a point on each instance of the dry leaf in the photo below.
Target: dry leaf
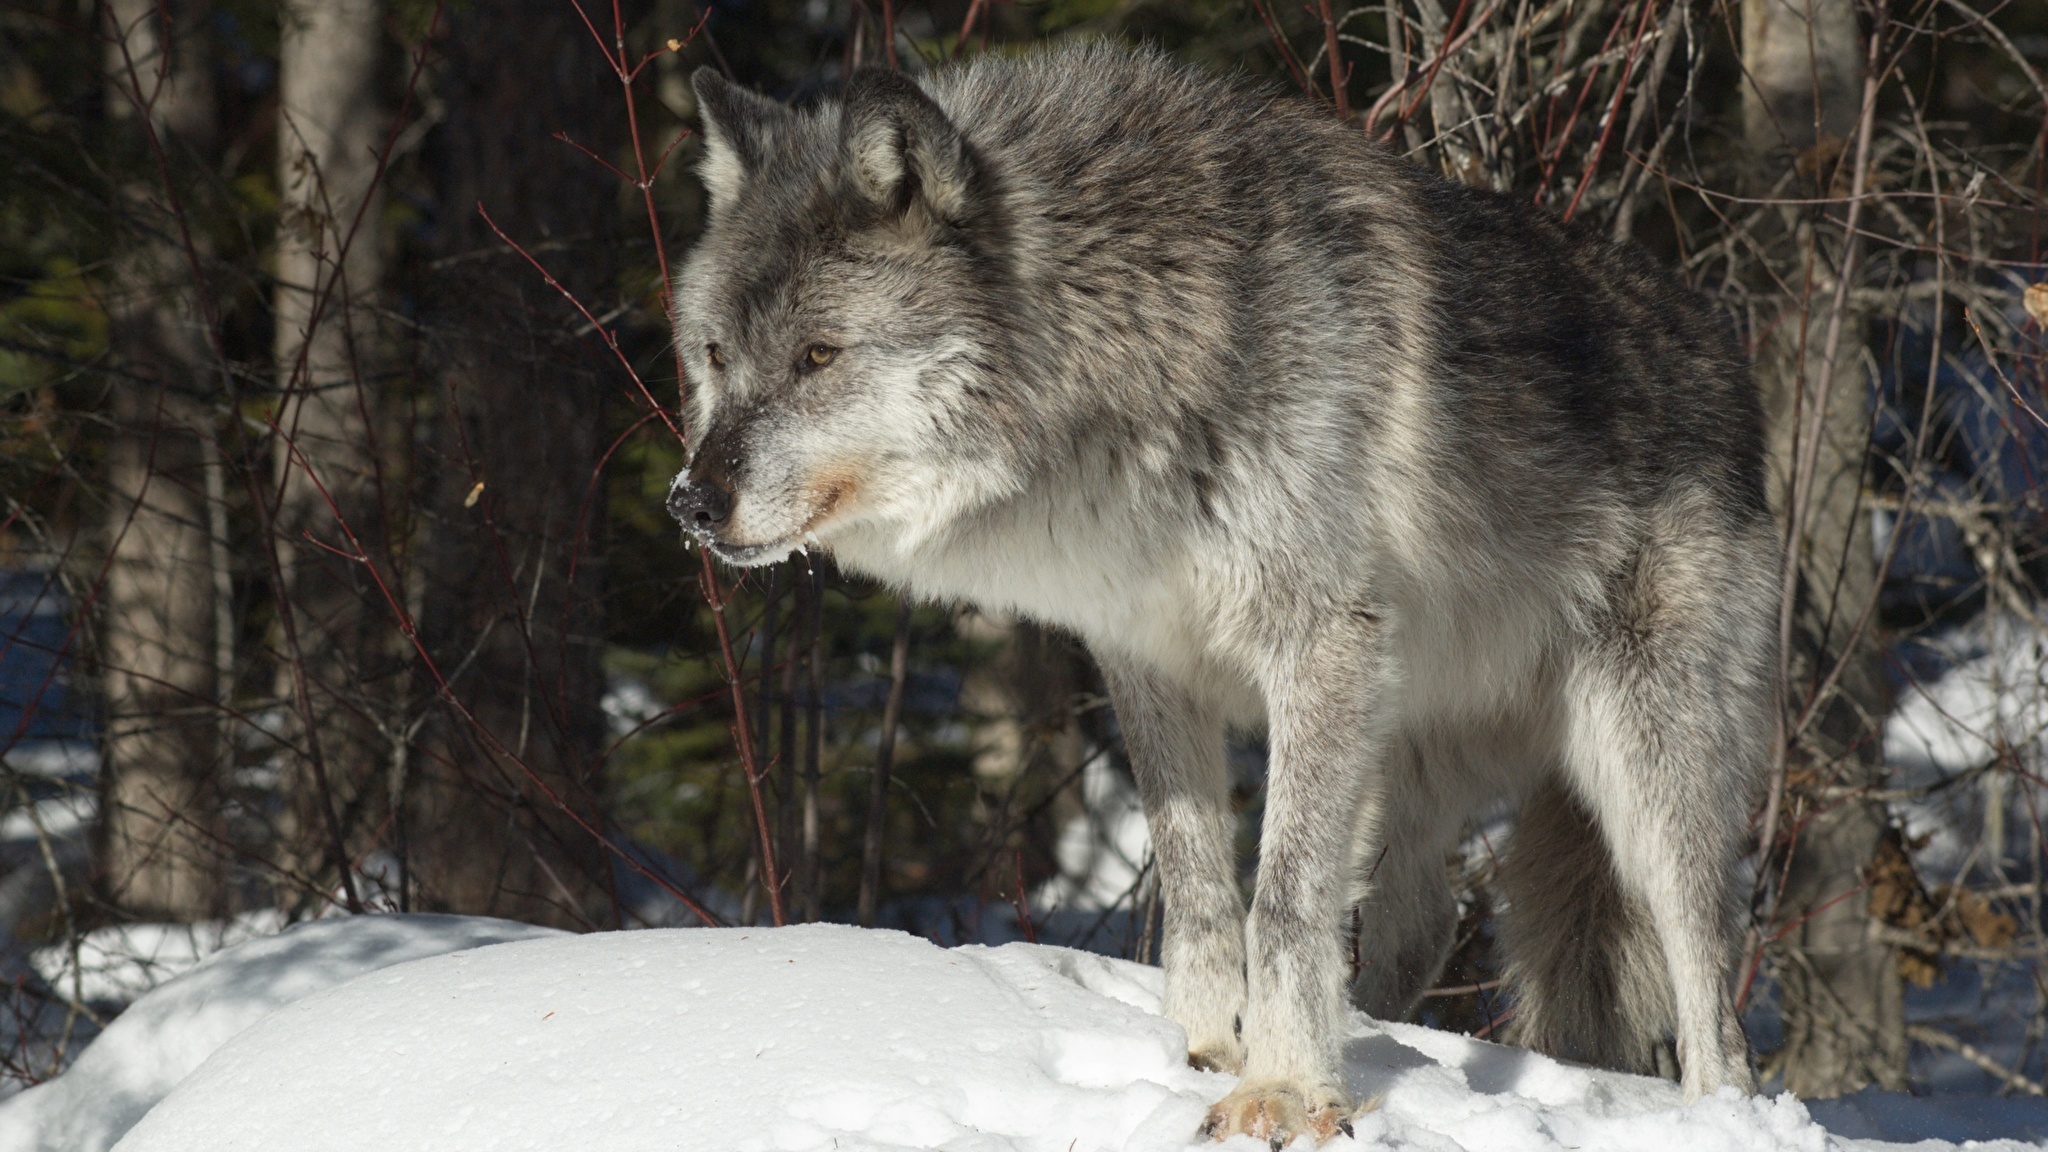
{"x": 1919, "y": 968}
{"x": 1898, "y": 898}
{"x": 2036, "y": 300}
{"x": 1985, "y": 925}
{"x": 475, "y": 494}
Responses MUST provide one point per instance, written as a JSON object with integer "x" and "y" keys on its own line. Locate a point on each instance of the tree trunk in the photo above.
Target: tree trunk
{"x": 338, "y": 668}
{"x": 164, "y": 755}
{"x": 518, "y": 448}
{"x": 1840, "y": 992}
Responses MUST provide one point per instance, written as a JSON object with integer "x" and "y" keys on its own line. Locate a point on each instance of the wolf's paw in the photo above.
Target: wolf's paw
{"x": 1277, "y": 1113}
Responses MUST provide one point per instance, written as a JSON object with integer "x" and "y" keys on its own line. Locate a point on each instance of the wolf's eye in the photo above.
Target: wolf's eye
{"x": 717, "y": 357}
{"x": 819, "y": 355}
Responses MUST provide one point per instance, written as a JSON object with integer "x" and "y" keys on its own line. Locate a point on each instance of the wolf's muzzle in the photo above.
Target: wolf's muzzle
{"x": 701, "y": 507}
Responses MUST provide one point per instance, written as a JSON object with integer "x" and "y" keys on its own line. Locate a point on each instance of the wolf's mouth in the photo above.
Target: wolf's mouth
{"x": 740, "y": 555}
{"x": 750, "y": 555}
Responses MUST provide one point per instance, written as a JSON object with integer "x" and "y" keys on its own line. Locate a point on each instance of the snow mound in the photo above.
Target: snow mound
{"x": 166, "y": 1034}
{"x": 707, "y": 1038}
{"x": 829, "y": 1037}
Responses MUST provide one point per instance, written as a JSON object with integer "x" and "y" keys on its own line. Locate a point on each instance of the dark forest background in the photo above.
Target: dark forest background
{"x": 336, "y": 414}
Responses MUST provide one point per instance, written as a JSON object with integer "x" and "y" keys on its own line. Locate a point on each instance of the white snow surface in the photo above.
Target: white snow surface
{"x": 812, "y": 1037}
{"x": 168, "y": 1033}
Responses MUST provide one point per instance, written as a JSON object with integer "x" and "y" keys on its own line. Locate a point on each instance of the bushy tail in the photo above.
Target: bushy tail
{"x": 1583, "y": 958}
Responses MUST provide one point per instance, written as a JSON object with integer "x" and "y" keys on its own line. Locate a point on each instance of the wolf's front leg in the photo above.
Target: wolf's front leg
{"x": 1176, "y": 750}
{"x": 1324, "y": 731}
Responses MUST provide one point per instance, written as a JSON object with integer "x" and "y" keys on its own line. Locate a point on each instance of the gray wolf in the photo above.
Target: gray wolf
{"x": 1460, "y": 505}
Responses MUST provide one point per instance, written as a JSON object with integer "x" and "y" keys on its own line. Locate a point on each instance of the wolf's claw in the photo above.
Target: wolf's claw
{"x": 1276, "y": 1114}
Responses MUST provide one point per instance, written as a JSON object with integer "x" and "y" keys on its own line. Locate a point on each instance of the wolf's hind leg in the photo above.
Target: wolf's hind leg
{"x": 1177, "y": 754}
{"x": 1582, "y": 953}
{"x": 1669, "y": 722}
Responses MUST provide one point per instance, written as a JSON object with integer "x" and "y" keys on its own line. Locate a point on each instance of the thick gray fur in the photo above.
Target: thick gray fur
{"x": 1456, "y": 503}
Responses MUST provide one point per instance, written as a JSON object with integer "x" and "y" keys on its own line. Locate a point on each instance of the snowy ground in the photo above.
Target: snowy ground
{"x": 411, "y": 1032}
{"x": 165, "y": 1035}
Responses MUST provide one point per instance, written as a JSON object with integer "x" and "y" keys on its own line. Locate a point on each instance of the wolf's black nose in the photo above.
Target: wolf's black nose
{"x": 700, "y": 507}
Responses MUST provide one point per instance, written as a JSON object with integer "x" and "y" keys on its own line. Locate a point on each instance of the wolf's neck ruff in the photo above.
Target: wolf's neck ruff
{"x": 1461, "y": 505}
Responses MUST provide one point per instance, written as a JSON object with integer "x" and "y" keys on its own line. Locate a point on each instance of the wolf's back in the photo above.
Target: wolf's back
{"x": 1259, "y": 242}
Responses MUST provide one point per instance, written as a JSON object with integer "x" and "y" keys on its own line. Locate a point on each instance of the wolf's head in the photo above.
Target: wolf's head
{"x": 840, "y": 323}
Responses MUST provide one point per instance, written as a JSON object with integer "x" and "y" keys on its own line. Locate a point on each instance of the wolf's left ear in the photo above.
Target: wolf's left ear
{"x": 899, "y": 148}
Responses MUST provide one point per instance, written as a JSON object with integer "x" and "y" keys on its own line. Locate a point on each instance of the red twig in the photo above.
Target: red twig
{"x": 406, "y": 625}
{"x": 611, "y": 338}
{"x": 1628, "y": 71}
{"x": 1495, "y": 1023}
{"x": 1450, "y": 48}
{"x": 607, "y": 165}
{"x": 1340, "y": 76}
{"x": 662, "y": 161}
{"x": 1436, "y": 63}
{"x": 1564, "y": 137}
{"x": 615, "y": 55}
{"x": 967, "y": 26}
{"x": 1286, "y": 50}
{"x": 1757, "y": 961}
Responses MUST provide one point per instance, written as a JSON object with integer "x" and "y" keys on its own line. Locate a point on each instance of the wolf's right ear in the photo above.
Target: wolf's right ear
{"x": 738, "y": 128}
